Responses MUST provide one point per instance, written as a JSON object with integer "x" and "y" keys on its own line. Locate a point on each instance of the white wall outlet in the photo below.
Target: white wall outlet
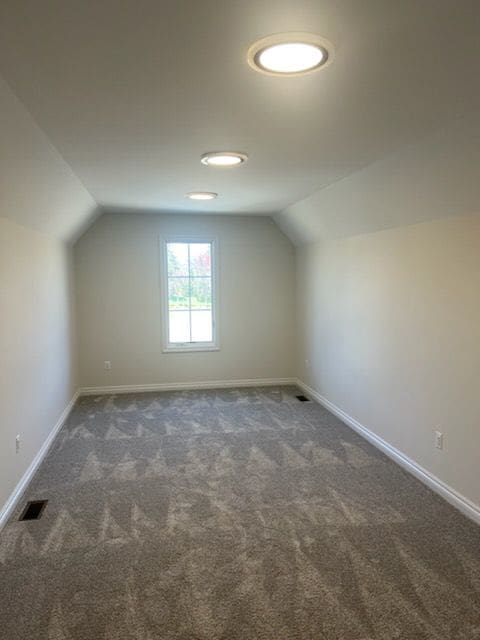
{"x": 17, "y": 443}
{"x": 307, "y": 364}
{"x": 107, "y": 365}
{"x": 438, "y": 440}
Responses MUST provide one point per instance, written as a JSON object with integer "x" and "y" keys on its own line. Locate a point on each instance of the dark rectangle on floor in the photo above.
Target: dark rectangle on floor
{"x": 303, "y": 398}
{"x": 33, "y": 510}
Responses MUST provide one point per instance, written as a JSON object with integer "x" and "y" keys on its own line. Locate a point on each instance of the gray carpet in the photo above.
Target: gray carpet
{"x": 232, "y": 515}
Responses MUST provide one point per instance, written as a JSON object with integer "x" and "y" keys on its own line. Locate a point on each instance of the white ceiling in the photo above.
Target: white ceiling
{"x": 131, "y": 93}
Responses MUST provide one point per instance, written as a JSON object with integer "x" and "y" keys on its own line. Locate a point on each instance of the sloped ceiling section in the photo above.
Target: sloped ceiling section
{"x": 132, "y": 92}
{"x": 435, "y": 178}
{"x": 37, "y": 187}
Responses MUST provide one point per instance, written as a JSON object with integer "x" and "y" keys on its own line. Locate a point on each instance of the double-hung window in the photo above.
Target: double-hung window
{"x": 190, "y": 295}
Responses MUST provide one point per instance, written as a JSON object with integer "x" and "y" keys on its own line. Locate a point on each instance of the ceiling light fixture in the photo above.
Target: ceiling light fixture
{"x": 290, "y": 54}
{"x": 223, "y": 158}
{"x": 202, "y": 195}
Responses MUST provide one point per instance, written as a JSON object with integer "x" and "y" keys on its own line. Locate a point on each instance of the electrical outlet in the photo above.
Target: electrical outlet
{"x": 307, "y": 364}
{"x": 438, "y": 440}
{"x": 108, "y": 365}
{"x": 17, "y": 444}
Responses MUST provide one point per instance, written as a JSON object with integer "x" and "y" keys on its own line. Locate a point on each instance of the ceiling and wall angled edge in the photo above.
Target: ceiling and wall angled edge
{"x": 133, "y": 120}
{"x": 436, "y": 178}
{"x": 38, "y": 188}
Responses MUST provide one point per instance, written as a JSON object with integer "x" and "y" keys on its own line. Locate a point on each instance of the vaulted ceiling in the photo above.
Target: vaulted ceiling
{"x": 132, "y": 92}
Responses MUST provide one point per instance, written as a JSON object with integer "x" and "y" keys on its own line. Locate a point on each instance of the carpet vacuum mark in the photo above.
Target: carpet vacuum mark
{"x": 240, "y": 514}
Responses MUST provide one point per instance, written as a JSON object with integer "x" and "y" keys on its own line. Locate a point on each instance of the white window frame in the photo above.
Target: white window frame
{"x": 182, "y": 347}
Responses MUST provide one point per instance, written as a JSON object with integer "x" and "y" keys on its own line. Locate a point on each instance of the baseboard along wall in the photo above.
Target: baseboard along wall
{"x": 463, "y": 504}
{"x": 19, "y": 490}
{"x": 180, "y": 386}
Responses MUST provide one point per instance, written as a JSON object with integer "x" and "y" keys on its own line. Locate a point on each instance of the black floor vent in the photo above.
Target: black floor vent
{"x": 33, "y": 510}
{"x": 303, "y": 398}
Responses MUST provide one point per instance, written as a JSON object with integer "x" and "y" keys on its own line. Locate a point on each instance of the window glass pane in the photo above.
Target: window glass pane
{"x": 201, "y": 293}
{"x": 202, "y": 326}
{"x": 189, "y": 278}
{"x": 178, "y": 293}
{"x": 177, "y": 255}
{"x": 200, "y": 259}
{"x": 179, "y": 326}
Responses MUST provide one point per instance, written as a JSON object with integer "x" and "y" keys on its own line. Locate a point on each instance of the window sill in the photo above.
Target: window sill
{"x": 189, "y": 349}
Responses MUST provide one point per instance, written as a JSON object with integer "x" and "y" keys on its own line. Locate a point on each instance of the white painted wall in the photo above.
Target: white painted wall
{"x": 42, "y": 205}
{"x": 389, "y": 314}
{"x": 389, "y": 323}
{"x": 37, "y": 344}
{"x": 119, "y": 304}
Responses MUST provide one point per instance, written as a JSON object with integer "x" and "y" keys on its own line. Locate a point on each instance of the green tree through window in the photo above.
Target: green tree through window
{"x": 190, "y": 307}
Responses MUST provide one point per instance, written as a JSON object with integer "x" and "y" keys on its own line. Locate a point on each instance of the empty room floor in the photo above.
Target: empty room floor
{"x": 232, "y": 515}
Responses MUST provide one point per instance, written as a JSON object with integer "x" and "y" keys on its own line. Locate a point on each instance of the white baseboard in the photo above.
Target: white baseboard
{"x": 463, "y": 504}
{"x": 14, "y": 498}
{"x": 180, "y": 386}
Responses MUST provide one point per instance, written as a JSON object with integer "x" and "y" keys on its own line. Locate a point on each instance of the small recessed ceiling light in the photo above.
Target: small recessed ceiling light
{"x": 290, "y": 54}
{"x": 202, "y": 195}
{"x": 223, "y": 158}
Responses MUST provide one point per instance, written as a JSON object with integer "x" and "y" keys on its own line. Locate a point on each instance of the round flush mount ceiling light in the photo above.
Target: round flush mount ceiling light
{"x": 202, "y": 195}
{"x": 290, "y": 54}
{"x": 223, "y": 158}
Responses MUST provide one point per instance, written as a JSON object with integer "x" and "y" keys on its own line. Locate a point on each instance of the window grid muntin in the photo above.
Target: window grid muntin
{"x": 209, "y": 277}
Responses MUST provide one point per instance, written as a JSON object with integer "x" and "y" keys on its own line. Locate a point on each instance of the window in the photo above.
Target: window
{"x": 189, "y": 294}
